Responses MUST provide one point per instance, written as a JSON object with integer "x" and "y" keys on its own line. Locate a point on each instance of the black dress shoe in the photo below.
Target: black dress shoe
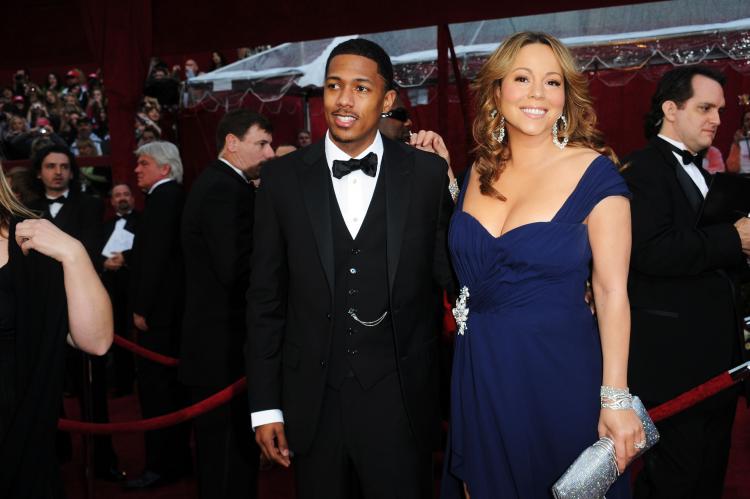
{"x": 111, "y": 474}
{"x": 149, "y": 479}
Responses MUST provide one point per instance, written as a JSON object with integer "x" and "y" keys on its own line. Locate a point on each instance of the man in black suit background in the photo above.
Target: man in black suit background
{"x": 682, "y": 287}
{"x": 348, "y": 261}
{"x": 157, "y": 293}
{"x": 114, "y": 262}
{"x": 217, "y": 243}
{"x": 61, "y": 199}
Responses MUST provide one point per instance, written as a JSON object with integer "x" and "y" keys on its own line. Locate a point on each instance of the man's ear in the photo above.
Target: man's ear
{"x": 669, "y": 108}
{"x": 165, "y": 170}
{"x": 230, "y": 142}
{"x": 388, "y": 100}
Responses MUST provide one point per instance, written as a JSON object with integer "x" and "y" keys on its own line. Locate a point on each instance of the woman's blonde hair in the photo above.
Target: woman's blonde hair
{"x": 10, "y": 206}
{"x": 492, "y": 155}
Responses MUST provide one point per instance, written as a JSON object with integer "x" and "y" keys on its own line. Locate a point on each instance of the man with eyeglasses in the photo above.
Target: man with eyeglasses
{"x": 396, "y": 125}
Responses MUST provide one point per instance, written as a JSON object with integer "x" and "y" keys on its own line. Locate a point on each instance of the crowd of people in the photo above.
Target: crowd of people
{"x": 71, "y": 111}
{"x": 318, "y": 270}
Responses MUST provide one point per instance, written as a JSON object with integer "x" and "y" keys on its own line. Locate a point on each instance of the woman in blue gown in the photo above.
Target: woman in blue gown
{"x": 542, "y": 211}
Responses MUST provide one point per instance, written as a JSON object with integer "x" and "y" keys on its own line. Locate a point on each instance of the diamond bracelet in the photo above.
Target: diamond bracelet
{"x": 615, "y": 398}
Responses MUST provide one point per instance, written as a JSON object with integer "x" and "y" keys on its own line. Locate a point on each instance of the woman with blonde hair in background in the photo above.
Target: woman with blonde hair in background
{"x": 49, "y": 292}
{"x": 536, "y": 377}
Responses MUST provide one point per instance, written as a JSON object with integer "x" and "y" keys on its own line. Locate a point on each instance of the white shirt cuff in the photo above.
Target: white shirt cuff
{"x": 266, "y": 417}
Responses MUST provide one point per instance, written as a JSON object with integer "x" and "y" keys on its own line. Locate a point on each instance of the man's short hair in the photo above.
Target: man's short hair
{"x": 238, "y": 122}
{"x": 118, "y": 184}
{"x": 676, "y": 85}
{"x": 164, "y": 153}
{"x": 369, "y": 49}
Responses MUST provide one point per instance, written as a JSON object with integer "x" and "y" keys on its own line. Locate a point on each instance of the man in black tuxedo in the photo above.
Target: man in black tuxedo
{"x": 61, "y": 199}
{"x": 349, "y": 257}
{"x": 217, "y": 242}
{"x": 79, "y": 215}
{"x": 115, "y": 272}
{"x": 157, "y": 297}
{"x": 683, "y": 289}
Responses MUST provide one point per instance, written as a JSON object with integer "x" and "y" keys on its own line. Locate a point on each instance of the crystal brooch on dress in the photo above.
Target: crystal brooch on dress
{"x": 461, "y": 312}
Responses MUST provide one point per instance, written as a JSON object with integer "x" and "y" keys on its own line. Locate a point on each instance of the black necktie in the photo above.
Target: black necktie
{"x": 368, "y": 165}
{"x": 688, "y": 157}
{"x": 60, "y": 200}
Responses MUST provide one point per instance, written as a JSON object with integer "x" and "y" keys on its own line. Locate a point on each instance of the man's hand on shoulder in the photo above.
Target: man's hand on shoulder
{"x": 272, "y": 442}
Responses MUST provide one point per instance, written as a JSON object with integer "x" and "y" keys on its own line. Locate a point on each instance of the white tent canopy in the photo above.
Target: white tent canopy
{"x": 678, "y": 32}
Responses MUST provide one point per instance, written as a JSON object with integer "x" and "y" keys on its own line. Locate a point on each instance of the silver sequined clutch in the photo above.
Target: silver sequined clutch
{"x": 595, "y": 470}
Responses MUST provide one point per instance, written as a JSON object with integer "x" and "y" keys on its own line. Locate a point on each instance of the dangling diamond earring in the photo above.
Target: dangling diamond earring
{"x": 555, "y": 137}
{"x": 499, "y": 133}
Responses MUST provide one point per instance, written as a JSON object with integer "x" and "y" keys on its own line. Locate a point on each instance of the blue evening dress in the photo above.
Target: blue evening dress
{"x": 527, "y": 370}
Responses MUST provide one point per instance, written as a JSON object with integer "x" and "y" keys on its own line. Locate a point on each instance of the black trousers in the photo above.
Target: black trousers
{"x": 364, "y": 448}
{"x": 159, "y": 392}
{"x": 227, "y": 455}
{"x": 124, "y": 362}
{"x": 104, "y": 453}
{"x": 690, "y": 460}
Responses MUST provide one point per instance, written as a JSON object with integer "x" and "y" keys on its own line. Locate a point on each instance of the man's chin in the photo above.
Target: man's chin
{"x": 341, "y": 139}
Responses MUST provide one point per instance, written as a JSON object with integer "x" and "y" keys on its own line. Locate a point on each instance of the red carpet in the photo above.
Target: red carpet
{"x": 278, "y": 483}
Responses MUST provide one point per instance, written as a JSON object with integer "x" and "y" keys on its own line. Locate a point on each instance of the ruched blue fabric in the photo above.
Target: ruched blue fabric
{"x": 527, "y": 371}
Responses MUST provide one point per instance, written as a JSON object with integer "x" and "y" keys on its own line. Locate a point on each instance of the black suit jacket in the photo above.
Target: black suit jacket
{"x": 290, "y": 299}
{"x": 217, "y": 242}
{"x": 157, "y": 277}
{"x": 80, "y": 216}
{"x": 682, "y": 287}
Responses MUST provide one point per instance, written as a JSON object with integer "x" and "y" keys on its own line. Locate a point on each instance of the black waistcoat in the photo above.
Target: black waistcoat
{"x": 361, "y": 285}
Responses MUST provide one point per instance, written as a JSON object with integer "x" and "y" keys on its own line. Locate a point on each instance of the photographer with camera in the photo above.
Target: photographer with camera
{"x": 19, "y": 139}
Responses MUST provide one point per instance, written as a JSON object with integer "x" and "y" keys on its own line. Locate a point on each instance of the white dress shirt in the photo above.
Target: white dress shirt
{"x": 691, "y": 169}
{"x": 239, "y": 172}
{"x": 353, "y": 191}
{"x": 54, "y": 208}
{"x": 353, "y": 195}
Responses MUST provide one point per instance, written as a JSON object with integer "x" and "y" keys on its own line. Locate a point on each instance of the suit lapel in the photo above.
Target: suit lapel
{"x": 397, "y": 167}
{"x": 314, "y": 178}
{"x": 691, "y": 191}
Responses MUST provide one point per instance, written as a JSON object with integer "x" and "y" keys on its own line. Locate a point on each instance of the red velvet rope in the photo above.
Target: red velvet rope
{"x": 158, "y": 422}
{"x": 658, "y": 413}
{"x": 145, "y": 353}
{"x": 691, "y": 397}
{"x": 687, "y": 399}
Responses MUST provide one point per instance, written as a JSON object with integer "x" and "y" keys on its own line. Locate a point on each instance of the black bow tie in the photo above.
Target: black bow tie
{"x": 688, "y": 157}
{"x": 368, "y": 165}
{"x": 60, "y": 200}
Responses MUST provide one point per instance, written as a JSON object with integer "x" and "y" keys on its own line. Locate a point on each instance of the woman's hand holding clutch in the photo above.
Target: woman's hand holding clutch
{"x": 624, "y": 427}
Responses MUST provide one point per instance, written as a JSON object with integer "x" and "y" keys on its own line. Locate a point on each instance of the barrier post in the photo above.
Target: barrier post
{"x": 87, "y": 414}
